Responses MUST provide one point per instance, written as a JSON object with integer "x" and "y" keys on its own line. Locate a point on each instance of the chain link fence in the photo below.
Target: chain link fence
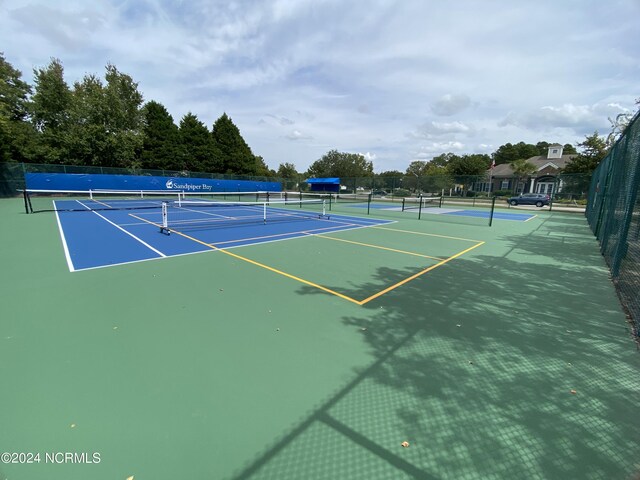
{"x": 613, "y": 213}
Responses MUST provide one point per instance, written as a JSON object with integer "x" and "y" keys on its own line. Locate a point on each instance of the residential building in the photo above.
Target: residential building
{"x": 544, "y": 179}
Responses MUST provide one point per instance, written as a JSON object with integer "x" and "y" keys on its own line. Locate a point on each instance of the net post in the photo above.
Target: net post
{"x": 441, "y": 198}
{"x": 369, "y": 203}
{"x": 26, "y": 202}
{"x": 403, "y": 201}
{"x": 493, "y": 207}
{"x": 90, "y": 194}
{"x": 420, "y": 207}
{"x": 165, "y": 220}
{"x": 324, "y": 208}
{"x": 264, "y": 212}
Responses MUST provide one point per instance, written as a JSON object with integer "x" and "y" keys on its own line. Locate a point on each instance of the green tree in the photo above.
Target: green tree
{"x": 16, "y": 134}
{"x": 160, "y": 146}
{"x": 508, "y": 152}
{"x": 342, "y": 165}
{"x": 522, "y": 168}
{"x": 468, "y": 169}
{"x": 437, "y": 179}
{"x": 569, "y": 149}
{"x": 123, "y": 115}
{"x": 443, "y": 159}
{"x": 289, "y": 174}
{"x": 543, "y": 147}
{"x": 105, "y": 121}
{"x": 50, "y": 112}
{"x": 470, "y": 165}
{"x": 389, "y": 180}
{"x": 236, "y": 156}
{"x": 413, "y": 175}
{"x": 287, "y": 170}
{"x": 85, "y": 136}
{"x": 593, "y": 149}
{"x": 52, "y": 98}
{"x": 197, "y": 152}
{"x": 262, "y": 169}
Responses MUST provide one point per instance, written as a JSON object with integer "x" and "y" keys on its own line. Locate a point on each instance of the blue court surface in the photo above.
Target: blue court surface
{"x": 100, "y": 236}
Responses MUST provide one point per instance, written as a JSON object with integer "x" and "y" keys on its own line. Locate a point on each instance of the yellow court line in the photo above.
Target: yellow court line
{"x": 427, "y": 234}
{"x": 379, "y": 247}
{"x": 315, "y": 285}
{"x": 240, "y": 257}
{"x": 288, "y": 275}
{"x": 422, "y": 272}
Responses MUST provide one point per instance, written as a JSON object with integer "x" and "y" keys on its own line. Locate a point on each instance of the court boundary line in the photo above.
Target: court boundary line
{"x": 428, "y": 234}
{"x": 123, "y": 230}
{"x": 380, "y": 247}
{"x": 65, "y": 247}
{"x": 224, "y": 250}
{"x": 323, "y": 288}
{"x": 267, "y": 267}
{"x": 419, "y": 274}
{"x": 301, "y": 234}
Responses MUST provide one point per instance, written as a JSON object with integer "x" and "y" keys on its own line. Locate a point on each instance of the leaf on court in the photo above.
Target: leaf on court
{"x": 573, "y": 392}
{"x": 405, "y": 444}
{"x": 130, "y": 478}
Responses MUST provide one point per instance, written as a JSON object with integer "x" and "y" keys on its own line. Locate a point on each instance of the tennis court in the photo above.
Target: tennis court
{"x": 312, "y": 347}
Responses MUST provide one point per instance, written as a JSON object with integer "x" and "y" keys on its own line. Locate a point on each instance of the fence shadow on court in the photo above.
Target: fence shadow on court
{"x": 475, "y": 367}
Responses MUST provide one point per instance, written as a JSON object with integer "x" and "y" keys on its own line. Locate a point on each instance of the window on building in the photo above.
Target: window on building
{"x": 482, "y": 187}
{"x": 544, "y": 187}
{"x": 505, "y": 185}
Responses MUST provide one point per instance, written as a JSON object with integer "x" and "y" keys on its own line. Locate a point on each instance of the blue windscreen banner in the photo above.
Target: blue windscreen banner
{"x": 84, "y": 182}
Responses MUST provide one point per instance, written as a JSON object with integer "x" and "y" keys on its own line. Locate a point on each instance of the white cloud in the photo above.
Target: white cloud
{"x": 354, "y": 76}
{"x": 577, "y": 117}
{"x": 298, "y": 135}
{"x": 436, "y": 129}
{"x": 450, "y": 104}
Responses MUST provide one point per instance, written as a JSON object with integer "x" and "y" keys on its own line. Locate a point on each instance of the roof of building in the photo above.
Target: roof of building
{"x": 540, "y": 161}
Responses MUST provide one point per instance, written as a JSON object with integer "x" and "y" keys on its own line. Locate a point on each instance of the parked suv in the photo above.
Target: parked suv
{"x": 537, "y": 199}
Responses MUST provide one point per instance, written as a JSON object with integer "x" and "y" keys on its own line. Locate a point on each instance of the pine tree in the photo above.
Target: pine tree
{"x": 197, "y": 152}
{"x": 160, "y": 147}
{"x": 235, "y": 154}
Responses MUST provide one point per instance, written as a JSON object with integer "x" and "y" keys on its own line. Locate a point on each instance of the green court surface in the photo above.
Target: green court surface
{"x": 317, "y": 357}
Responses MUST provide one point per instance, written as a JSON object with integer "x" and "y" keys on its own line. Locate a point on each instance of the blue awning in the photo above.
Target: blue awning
{"x": 323, "y": 181}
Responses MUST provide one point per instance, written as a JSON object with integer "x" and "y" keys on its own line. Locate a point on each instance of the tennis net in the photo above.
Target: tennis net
{"x": 190, "y": 214}
{"x": 418, "y": 203}
{"x": 90, "y": 200}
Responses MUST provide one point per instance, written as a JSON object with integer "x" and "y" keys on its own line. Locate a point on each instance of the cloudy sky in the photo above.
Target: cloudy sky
{"x": 396, "y": 81}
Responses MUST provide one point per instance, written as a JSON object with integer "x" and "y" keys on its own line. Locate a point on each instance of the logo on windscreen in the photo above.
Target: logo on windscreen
{"x": 169, "y": 184}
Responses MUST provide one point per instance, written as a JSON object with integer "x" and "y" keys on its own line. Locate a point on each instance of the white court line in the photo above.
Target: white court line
{"x": 123, "y": 230}
{"x": 64, "y": 240}
{"x": 303, "y": 234}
